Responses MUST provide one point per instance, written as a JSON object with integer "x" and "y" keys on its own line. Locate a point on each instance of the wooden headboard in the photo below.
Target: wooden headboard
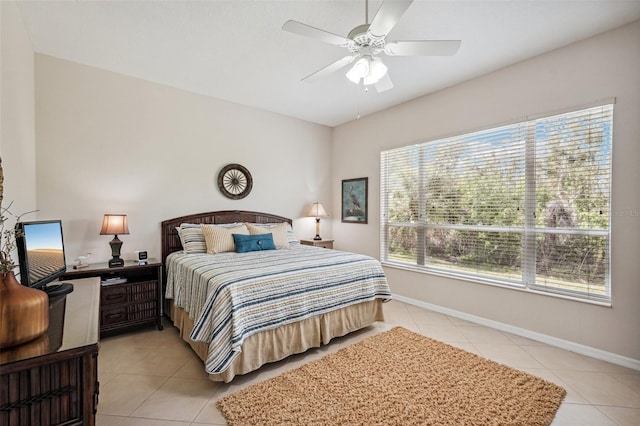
{"x": 171, "y": 241}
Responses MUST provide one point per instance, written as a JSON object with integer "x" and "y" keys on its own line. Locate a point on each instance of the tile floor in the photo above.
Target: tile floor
{"x": 152, "y": 378}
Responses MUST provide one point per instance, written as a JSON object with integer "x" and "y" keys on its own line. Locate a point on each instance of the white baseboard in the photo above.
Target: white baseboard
{"x": 523, "y": 332}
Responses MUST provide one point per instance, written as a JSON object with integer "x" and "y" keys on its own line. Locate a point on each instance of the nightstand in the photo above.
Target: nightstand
{"x": 318, "y": 243}
{"x": 134, "y": 300}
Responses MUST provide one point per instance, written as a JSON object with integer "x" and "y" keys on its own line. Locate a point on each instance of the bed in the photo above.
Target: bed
{"x": 239, "y": 311}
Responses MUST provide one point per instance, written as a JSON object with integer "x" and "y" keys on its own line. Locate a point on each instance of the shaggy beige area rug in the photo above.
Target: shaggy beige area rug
{"x": 397, "y": 378}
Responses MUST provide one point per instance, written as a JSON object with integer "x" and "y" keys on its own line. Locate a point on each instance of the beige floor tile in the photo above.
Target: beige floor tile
{"x": 581, "y": 415}
{"x": 465, "y": 346}
{"x": 561, "y": 359}
{"x": 631, "y": 380}
{"x": 510, "y": 355}
{"x": 135, "y": 421}
{"x": 484, "y": 335}
{"x": 622, "y": 416}
{"x": 177, "y": 399}
{"x": 522, "y": 341}
{"x": 124, "y": 393}
{"x": 153, "y": 362}
{"x": 430, "y": 318}
{"x": 104, "y": 377}
{"x": 444, "y": 333}
{"x": 106, "y": 420}
{"x": 210, "y": 414}
{"x": 462, "y": 323}
{"x": 600, "y": 388}
{"x": 193, "y": 368}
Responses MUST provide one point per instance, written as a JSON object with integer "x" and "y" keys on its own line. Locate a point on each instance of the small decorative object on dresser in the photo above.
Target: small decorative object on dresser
{"x": 318, "y": 243}
{"x": 24, "y": 312}
{"x": 80, "y": 260}
{"x": 142, "y": 257}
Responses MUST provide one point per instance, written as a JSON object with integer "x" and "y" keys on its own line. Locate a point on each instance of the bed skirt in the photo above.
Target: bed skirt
{"x": 277, "y": 344}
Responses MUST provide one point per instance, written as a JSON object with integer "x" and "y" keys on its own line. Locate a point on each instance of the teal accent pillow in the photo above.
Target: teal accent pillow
{"x": 247, "y": 243}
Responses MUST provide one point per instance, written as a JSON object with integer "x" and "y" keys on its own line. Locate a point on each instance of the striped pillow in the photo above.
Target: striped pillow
{"x": 192, "y": 239}
{"x": 219, "y": 239}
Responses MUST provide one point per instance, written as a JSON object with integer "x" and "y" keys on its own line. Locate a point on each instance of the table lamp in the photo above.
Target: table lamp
{"x": 316, "y": 210}
{"x": 114, "y": 224}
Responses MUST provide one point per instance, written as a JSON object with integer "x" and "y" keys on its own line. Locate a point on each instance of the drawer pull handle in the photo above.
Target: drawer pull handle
{"x": 113, "y": 316}
{"x": 113, "y": 296}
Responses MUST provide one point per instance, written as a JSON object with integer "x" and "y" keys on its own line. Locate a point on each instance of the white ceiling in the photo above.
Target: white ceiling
{"x": 236, "y": 50}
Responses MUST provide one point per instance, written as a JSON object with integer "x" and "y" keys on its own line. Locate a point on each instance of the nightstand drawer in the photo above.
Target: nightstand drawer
{"x": 113, "y": 315}
{"x": 112, "y": 295}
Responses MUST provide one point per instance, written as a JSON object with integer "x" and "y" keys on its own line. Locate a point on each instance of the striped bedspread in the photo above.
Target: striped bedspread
{"x": 231, "y": 296}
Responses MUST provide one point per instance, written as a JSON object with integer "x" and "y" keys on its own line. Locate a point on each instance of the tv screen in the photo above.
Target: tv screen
{"x": 40, "y": 252}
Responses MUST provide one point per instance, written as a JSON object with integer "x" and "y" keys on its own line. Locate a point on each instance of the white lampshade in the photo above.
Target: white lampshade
{"x": 316, "y": 210}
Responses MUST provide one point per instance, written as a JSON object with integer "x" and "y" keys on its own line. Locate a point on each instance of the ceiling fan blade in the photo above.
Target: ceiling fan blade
{"x": 422, "y": 48}
{"x": 335, "y": 66}
{"x": 384, "y": 84}
{"x": 389, "y": 13}
{"x": 309, "y": 31}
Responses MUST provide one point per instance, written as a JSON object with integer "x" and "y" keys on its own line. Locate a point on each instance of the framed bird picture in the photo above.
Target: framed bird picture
{"x": 355, "y": 200}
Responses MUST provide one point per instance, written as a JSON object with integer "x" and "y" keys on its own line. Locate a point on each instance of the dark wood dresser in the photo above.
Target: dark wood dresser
{"x": 53, "y": 380}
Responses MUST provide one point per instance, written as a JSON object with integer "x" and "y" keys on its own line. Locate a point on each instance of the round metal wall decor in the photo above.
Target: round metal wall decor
{"x": 235, "y": 181}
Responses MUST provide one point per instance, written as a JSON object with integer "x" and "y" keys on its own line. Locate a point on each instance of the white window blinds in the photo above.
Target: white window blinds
{"x": 525, "y": 205}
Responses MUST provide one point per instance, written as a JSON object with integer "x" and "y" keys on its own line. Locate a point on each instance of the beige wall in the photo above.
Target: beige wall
{"x": 17, "y": 118}
{"x": 604, "y": 66}
{"x": 107, "y": 143}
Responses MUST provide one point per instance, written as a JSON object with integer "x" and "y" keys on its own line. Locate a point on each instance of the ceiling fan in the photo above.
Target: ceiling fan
{"x": 366, "y": 42}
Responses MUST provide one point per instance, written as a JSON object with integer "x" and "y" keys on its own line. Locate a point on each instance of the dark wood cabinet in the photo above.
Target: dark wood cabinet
{"x": 129, "y": 295}
{"x": 53, "y": 380}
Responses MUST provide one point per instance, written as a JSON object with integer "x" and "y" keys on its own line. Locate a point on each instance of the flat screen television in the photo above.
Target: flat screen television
{"x": 40, "y": 247}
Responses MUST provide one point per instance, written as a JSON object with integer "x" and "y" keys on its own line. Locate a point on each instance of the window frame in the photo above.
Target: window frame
{"x": 529, "y": 230}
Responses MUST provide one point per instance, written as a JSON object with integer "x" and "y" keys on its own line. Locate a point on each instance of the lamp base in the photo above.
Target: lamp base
{"x": 317, "y": 238}
{"x": 116, "y": 262}
{"x": 115, "y": 244}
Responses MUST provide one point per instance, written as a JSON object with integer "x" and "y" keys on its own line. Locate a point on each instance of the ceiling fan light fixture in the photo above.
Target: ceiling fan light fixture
{"x": 377, "y": 70}
{"x": 359, "y": 70}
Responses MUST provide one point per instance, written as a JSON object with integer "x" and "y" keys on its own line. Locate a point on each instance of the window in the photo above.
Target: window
{"x": 525, "y": 205}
